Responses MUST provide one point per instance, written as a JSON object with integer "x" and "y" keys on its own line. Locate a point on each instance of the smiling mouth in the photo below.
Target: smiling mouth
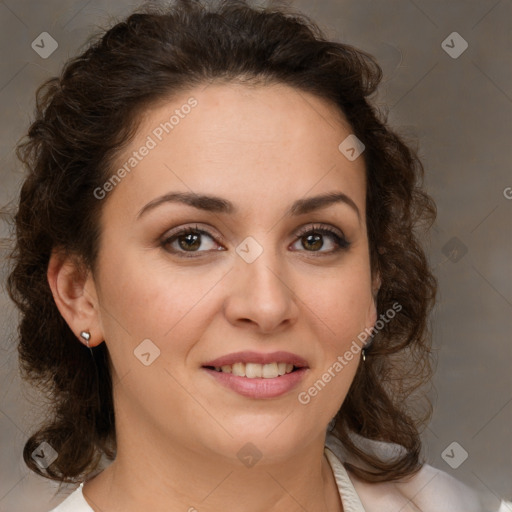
{"x": 256, "y": 370}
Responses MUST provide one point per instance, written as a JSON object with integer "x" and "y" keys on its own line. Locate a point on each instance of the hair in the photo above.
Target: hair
{"x": 85, "y": 116}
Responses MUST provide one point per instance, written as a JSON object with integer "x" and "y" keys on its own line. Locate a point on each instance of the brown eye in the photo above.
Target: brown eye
{"x": 312, "y": 242}
{"x": 190, "y": 240}
{"x": 322, "y": 240}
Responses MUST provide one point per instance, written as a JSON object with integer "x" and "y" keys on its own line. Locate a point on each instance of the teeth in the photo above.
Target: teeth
{"x": 270, "y": 371}
{"x": 281, "y": 368}
{"x": 238, "y": 369}
{"x": 255, "y": 370}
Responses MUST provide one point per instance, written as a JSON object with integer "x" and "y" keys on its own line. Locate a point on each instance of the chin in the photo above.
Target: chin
{"x": 268, "y": 438}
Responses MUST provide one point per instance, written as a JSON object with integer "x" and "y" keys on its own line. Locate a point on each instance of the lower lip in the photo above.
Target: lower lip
{"x": 258, "y": 387}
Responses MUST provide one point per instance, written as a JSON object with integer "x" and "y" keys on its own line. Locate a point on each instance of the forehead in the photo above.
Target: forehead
{"x": 237, "y": 140}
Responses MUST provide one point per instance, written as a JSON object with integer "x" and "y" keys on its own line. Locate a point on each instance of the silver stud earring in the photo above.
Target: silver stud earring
{"x": 86, "y": 336}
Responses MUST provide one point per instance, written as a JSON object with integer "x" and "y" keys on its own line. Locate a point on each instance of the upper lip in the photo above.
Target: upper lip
{"x": 259, "y": 358}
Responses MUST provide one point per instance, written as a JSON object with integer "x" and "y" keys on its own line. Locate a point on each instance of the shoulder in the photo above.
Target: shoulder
{"x": 75, "y": 502}
{"x": 428, "y": 490}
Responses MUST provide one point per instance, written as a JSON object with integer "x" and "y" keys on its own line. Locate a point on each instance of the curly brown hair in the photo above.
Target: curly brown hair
{"x": 92, "y": 110}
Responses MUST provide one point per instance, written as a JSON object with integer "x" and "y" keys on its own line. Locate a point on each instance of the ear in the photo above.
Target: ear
{"x": 74, "y": 292}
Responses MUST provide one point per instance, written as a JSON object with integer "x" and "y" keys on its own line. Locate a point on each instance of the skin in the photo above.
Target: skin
{"x": 178, "y": 430}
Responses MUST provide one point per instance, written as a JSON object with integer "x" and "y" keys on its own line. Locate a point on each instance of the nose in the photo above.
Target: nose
{"x": 261, "y": 297}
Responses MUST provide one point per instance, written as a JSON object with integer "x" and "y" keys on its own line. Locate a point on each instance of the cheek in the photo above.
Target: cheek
{"x": 339, "y": 312}
{"x": 341, "y": 303}
{"x": 144, "y": 299}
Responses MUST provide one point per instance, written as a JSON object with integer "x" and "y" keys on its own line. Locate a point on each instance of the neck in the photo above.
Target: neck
{"x": 149, "y": 475}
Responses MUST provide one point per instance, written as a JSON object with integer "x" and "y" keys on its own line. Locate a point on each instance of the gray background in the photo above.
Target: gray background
{"x": 459, "y": 109}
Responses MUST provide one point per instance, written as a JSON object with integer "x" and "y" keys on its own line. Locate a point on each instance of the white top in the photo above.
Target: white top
{"x": 430, "y": 490}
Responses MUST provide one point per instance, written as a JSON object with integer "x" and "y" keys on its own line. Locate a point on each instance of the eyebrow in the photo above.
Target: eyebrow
{"x": 219, "y": 205}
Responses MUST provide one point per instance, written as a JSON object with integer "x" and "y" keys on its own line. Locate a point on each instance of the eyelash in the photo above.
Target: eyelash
{"x": 341, "y": 242}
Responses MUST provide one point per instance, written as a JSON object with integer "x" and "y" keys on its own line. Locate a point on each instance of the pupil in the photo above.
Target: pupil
{"x": 190, "y": 241}
{"x": 314, "y": 242}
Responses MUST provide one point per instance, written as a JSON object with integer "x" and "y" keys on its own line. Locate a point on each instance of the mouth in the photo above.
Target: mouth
{"x": 256, "y": 370}
{"x": 257, "y": 375}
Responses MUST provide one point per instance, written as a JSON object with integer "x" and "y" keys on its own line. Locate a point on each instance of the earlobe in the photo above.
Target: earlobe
{"x": 77, "y": 305}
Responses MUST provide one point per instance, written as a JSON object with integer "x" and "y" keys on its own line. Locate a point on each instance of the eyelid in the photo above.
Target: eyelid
{"x": 195, "y": 227}
{"x": 316, "y": 226}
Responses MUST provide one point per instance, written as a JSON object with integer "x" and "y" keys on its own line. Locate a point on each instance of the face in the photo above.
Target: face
{"x": 235, "y": 241}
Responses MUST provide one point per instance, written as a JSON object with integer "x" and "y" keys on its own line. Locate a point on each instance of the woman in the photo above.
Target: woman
{"x": 219, "y": 279}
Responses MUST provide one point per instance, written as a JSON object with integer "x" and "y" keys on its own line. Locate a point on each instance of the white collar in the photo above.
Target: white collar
{"x": 348, "y": 494}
